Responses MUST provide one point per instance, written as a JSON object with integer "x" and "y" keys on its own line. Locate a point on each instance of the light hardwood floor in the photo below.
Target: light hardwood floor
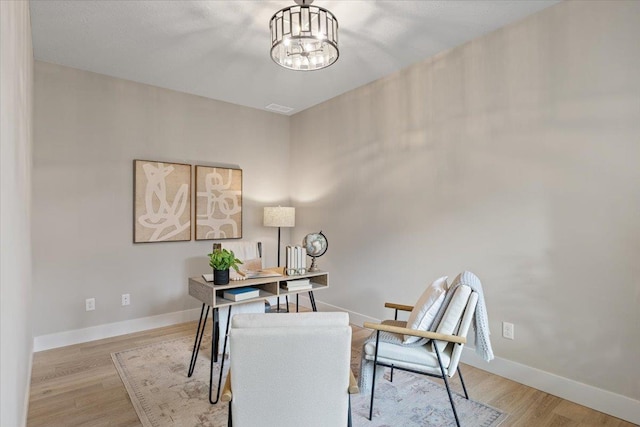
{"x": 79, "y": 386}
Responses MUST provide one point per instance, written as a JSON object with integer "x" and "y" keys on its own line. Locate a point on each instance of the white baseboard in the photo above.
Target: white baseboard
{"x": 583, "y": 394}
{"x": 77, "y": 336}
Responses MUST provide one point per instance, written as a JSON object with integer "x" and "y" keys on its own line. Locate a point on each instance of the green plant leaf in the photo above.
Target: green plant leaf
{"x": 222, "y": 259}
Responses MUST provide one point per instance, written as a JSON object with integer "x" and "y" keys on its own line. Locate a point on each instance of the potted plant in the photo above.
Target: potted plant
{"x": 221, "y": 260}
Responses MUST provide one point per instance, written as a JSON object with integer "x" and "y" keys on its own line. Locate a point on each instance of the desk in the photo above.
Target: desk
{"x": 211, "y": 296}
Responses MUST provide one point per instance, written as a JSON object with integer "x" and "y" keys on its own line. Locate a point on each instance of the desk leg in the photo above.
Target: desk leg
{"x": 224, "y": 350}
{"x": 199, "y": 334}
{"x": 297, "y": 295}
{"x": 215, "y": 335}
{"x": 313, "y": 301}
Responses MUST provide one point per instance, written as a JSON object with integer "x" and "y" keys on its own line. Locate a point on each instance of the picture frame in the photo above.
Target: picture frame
{"x": 218, "y": 203}
{"x": 161, "y": 201}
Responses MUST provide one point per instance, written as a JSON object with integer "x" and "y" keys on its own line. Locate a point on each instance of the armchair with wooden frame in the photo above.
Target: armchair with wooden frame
{"x": 439, "y": 356}
{"x": 290, "y": 370}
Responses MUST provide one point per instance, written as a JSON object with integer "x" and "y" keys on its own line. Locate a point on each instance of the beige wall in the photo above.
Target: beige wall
{"x": 88, "y": 130}
{"x": 515, "y": 156}
{"x": 16, "y": 113}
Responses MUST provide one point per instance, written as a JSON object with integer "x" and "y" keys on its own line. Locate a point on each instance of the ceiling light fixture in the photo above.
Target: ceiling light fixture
{"x": 304, "y": 37}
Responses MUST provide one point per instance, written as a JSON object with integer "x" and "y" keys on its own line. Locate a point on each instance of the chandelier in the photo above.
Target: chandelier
{"x": 304, "y": 37}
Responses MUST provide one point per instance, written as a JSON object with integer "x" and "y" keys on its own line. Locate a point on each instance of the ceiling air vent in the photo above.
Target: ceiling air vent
{"x": 279, "y": 108}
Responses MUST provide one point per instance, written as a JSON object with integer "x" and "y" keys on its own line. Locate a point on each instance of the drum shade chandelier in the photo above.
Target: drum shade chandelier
{"x": 304, "y": 37}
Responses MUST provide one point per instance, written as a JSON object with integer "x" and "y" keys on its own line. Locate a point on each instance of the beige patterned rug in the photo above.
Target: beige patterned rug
{"x": 155, "y": 377}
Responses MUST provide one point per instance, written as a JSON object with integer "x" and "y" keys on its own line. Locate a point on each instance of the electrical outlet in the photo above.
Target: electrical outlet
{"x": 508, "y": 330}
{"x": 90, "y": 304}
{"x": 126, "y": 299}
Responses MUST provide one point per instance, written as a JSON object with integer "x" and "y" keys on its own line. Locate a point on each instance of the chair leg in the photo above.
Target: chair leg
{"x": 373, "y": 380}
{"x": 391, "y": 375}
{"x": 230, "y": 418}
{"x": 446, "y": 383}
{"x": 349, "y": 414}
{"x": 463, "y": 386}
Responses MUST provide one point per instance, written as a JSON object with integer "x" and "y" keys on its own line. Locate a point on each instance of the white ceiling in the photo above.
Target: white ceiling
{"x": 220, "y": 49}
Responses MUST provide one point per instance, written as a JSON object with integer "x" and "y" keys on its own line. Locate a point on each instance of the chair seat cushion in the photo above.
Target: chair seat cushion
{"x": 418, "y": 358}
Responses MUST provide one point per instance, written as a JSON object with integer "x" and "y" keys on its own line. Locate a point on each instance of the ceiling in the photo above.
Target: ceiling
{"x": 220, "y": 49}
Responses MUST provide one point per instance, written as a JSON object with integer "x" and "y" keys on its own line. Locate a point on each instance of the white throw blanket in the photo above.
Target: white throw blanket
{"x": 480, "y": 319}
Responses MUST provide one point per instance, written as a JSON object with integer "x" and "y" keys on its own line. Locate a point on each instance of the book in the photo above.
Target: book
{"x": 208, "y": 277}
{"x": 298, "y": 282}
{"x": 298, "y": 288}
{"x": 297, "y": 285}
{"x": 241, "y": 294}
{"x": 296, "y": 258}
{"x": 260, "y": 273}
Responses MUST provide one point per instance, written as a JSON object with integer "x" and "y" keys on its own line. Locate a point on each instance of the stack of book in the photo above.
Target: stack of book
{"x": 296, "y": 258}
{"x": 297, "y": 285}
{"x": 241, "y": 294}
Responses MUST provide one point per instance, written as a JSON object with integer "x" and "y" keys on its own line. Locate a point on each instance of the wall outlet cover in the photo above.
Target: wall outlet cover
{"x": 508, "y": 330}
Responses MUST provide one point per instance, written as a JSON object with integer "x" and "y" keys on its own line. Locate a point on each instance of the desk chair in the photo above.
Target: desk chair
{"x": 290, "y": 370}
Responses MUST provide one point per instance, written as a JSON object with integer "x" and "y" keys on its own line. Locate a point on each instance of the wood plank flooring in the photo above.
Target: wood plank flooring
{"x": 79, "y": 386}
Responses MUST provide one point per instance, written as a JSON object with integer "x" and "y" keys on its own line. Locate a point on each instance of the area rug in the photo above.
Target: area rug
{"x": 155, "y": 377}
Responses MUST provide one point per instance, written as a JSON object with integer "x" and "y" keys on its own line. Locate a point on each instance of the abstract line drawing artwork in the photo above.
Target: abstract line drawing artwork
{"x": 218, "y": 203}
{"x": 162, "y": 202}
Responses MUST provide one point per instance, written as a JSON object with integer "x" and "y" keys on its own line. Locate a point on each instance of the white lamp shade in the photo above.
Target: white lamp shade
{"x": 279, "y": 217}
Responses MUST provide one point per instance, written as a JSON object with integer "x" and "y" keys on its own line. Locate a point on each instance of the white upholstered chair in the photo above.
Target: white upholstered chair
{"x": 438, "y": 357}
{"x": 290, "y": 370}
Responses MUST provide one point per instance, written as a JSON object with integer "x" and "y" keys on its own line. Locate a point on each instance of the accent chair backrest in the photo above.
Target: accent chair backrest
{"x": 456, "y": 320}
{"x": 463, "y": 331}
{"x": 290, "y": 369}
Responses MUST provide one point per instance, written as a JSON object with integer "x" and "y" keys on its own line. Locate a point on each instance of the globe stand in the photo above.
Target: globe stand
{"x": 313, "y": 267}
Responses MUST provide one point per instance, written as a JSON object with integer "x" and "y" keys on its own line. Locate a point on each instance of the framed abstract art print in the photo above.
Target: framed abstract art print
{"x": 162, "y": 201}
{"x": 218, "y": 203}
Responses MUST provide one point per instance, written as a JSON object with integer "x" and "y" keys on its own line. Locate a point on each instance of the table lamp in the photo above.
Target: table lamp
{"x": 279, "y": 217}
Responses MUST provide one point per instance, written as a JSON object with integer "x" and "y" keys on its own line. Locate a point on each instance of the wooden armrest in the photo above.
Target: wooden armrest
{"x": 226, "y": 390}
{"x": 353, "y": 385}
{"x": 416, "y": 333}
{"x": 398, "y": 306}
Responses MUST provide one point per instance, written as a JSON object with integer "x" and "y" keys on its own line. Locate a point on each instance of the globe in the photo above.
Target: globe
{"x": 316, "y": 245}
